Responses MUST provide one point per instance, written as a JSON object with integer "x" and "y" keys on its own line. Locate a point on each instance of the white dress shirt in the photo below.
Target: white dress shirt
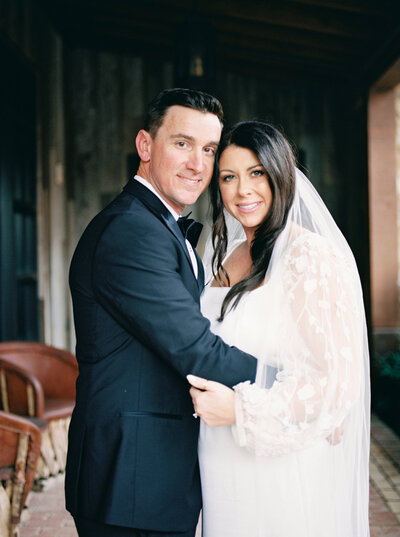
{"x": 148, "y": 185}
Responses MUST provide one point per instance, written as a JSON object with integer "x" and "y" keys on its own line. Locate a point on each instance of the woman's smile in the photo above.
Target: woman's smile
{"x": 249, "y": 207}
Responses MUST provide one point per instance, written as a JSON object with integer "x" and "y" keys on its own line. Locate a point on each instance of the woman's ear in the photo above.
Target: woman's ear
{"x": 143, "y": 145}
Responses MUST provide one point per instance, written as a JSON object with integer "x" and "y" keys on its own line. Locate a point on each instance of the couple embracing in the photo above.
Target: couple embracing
{"x": 270, "y": 333}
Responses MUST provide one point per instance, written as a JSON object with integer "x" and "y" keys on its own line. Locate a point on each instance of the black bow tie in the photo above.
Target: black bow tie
{"x": 190, "y": 229}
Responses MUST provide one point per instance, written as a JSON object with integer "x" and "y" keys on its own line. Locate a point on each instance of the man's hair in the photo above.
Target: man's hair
{"x": 197, "y": 100}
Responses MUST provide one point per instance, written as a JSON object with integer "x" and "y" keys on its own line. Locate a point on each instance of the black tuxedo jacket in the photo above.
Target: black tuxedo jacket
{"x": 132, "y": 455}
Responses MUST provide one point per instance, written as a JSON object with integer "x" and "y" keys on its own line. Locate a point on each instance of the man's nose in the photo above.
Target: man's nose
{"x": 196, "y": 161}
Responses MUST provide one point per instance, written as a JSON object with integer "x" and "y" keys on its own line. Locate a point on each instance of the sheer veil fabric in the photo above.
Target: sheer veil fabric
{"x": 313, "y": 417}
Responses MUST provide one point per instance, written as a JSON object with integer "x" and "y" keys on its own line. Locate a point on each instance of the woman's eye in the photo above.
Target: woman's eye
{"x": 227, "y": 178}
{"x": 257, "y": 173}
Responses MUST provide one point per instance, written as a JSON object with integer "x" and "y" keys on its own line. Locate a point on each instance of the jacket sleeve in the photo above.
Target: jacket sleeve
{"x": 136, "y": 278}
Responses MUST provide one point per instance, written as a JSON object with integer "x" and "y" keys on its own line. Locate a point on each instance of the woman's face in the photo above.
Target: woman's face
{"x": 244, "y": 187}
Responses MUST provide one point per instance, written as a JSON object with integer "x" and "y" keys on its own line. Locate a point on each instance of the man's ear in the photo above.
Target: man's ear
{"x": 143, "y": 145}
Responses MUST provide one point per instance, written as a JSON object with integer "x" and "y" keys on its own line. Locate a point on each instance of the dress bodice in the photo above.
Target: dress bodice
{"x": 250, "y": 326}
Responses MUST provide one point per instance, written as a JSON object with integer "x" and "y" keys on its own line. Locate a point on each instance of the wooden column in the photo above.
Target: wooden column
{"x": 383, "y": 215}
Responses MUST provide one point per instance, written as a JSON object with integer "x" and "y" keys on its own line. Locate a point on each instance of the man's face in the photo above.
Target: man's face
{"x": 182, "y": 154}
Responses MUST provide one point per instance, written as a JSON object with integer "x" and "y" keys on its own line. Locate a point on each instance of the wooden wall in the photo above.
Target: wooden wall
{"x": 106, "y": 99}
{"x": 327, "y": 126}
{"x": 24, "y": 28}
{"x": 92, "y": 104}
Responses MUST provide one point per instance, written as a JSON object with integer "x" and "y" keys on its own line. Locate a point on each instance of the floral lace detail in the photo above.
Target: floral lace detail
{"x": 319, "y": 376}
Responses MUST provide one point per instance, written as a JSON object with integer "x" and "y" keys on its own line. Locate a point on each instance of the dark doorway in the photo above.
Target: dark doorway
{"x": 19, "y": 319}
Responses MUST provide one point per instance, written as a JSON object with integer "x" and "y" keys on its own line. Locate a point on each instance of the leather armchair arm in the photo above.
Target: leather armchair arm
{"x": 21, "y": 391}
{"x": 55, "y": 369}
{"x": 20, "y": 442}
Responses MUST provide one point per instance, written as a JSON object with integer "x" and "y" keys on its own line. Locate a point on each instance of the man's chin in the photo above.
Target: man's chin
{"x": 190, "y": 199}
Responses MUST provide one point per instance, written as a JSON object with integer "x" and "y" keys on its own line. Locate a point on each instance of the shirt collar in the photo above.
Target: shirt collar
{"x": 148, "y": 185}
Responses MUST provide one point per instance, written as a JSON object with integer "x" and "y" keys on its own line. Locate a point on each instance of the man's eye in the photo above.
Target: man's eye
{"x": 182, "y": 144}
{"x": 210, "y": 150}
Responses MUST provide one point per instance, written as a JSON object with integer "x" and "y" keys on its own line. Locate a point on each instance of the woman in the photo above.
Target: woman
{"x": 284, "y": 287}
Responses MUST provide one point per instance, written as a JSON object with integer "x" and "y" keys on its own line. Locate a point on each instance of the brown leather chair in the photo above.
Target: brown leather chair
{"x": 38, "y": 381}
{"x": 20, "y": 442}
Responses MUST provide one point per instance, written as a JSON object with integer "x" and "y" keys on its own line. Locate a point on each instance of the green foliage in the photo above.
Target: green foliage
{"x": 389, "y": 365}
{"x": 386, "y": 388}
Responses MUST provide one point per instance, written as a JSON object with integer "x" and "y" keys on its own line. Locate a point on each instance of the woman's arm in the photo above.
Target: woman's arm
{"x": 320, "y": 383}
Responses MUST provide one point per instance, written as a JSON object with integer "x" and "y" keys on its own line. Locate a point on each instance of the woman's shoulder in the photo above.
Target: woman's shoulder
{"x": 310, "y": 253}
{"x": 306, "y": 242}
{"x": 237, "y": 254}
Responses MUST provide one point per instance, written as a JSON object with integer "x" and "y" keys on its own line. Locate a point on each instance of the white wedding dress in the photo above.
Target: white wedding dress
{"x": 276, "y": 473}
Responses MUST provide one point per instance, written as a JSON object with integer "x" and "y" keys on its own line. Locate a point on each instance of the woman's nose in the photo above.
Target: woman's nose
{"x": 244, "y": 187}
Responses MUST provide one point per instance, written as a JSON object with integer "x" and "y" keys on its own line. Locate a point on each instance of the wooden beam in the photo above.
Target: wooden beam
{"x": 298, "y": 53}
{"x": 290, "y": 15}
{"x": 241, "y": 60}
{"x": 386, "y": 53}
{"x": 389, "y": 79}
{"x": 297, "y": 36}
{"x": 333, "y": 37}
{"x": 158, "y": 32}
{"x": 366, "y": 7}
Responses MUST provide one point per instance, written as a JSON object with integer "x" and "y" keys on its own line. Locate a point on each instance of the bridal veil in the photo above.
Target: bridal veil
{"x": 311, "y": 394}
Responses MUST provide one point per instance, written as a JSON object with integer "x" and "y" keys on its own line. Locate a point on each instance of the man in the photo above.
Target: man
{"x": 136, "y": 282}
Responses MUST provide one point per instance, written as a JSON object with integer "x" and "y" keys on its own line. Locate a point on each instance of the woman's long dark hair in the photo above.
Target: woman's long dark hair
{"x": 276, "y": 156}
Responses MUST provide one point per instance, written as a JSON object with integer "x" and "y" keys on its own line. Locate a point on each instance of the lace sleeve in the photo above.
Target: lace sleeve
{"x": 319, "y": 377}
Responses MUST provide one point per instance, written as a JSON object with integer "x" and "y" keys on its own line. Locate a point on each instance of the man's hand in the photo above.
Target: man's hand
{"x": 213, "y": 402}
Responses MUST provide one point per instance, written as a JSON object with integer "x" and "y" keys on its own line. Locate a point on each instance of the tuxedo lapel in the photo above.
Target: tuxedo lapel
{"x": 200, "y": 276}
{"x": 162, "y": 213}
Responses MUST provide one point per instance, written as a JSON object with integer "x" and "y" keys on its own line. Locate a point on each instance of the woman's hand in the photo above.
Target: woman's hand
{"x": 213, "y": 402}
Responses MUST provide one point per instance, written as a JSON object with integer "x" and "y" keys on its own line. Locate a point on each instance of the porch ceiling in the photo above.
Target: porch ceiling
{"x": 348, "y": 40}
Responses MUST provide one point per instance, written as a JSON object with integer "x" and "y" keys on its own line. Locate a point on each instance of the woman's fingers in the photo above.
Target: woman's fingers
{"x": 194, "y": 393}
{"x": 214, "y": 404}
{"x": 199, "y": 382}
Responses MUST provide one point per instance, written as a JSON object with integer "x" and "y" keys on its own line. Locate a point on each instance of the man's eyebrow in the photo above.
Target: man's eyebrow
{"x": 191, "y": 138}
{"x": 181, "y": 135}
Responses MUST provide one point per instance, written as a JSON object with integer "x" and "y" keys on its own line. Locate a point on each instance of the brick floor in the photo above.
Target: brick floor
{"x": 385, "y": 481}
{"x": 47, "y": 516}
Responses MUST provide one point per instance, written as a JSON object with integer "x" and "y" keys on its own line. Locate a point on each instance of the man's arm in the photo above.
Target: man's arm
{"x": 136, "y": 278}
